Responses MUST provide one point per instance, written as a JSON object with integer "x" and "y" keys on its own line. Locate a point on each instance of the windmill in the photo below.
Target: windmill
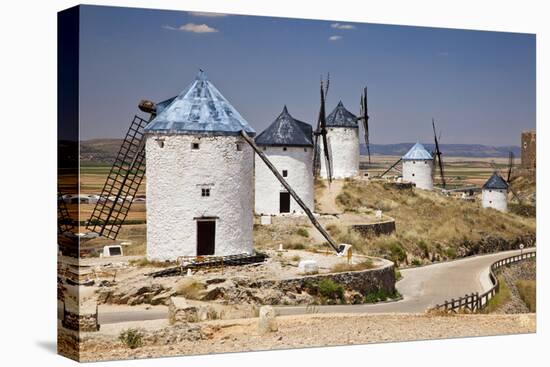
{"x": 128, "y": 170}
{"x": 322, "y": 131}
{"x": 437, "y": 155}
{"x": 508, "y": 175}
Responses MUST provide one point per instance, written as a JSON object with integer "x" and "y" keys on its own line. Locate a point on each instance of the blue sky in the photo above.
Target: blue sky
{"x": 479, "y": 86}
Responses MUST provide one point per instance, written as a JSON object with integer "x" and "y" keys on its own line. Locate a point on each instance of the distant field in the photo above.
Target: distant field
{"x": 458, "y": 170}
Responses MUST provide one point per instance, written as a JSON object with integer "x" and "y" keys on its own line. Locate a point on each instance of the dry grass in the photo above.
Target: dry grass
{"x": 500, "y": 298}
{"x": 429, "y": 225}
{"x": 190, "y": 288}
{"x": 528, "y": 292}
{"x": 292, "y": 237}
{"x": 344, "y": 267}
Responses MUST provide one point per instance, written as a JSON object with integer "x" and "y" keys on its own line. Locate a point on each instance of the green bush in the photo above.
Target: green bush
{"x": 330, "y": 289}
{"x": 302, "y": 232}
{"x": 132, "y": 338}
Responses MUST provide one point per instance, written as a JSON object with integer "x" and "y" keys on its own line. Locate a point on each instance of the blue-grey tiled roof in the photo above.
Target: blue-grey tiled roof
{"x": 417, "y": 153}
{"x": 160, "y": 106}
{"x": 495, "y": 182}
{"x": 199, "y": 109}
{"x": 340, "y": 117}
{"x": 287, "y": 131}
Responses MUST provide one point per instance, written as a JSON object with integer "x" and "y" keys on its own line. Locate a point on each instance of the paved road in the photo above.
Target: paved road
{"x": 421, "y": 288}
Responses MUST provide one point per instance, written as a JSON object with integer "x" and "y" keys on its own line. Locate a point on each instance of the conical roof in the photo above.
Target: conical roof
{"x": 287, "y": 131}
{"x": 417, "y": 153}
{"x": 495, "y": 182}
{"x": 199, "y": 109}
{"x": 340, "y": 117}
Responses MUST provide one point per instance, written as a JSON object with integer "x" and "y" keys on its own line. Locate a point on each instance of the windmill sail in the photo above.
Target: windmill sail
{"x": 122, "y": 183}
{"x": 364, "y": 117}
{"x": 322, "y": 131}
{"x": 438, "y": 156}
{"x": 510, "y": 165}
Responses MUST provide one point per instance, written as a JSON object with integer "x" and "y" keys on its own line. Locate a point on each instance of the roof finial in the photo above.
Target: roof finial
{"x": 201, "y": 75}
{"x": 285, "y": 110}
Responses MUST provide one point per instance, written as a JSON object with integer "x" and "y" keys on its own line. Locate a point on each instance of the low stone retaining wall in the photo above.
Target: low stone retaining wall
{"x": 362, "y": 281}
{"x": 377, "y": 229}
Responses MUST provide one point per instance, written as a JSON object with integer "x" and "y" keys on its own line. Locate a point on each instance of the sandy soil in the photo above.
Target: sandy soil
{"x": 307, "y": 331}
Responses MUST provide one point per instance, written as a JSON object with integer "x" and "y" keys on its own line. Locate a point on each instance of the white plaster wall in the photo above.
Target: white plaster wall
{"x": 175, "y": 176}
{"x": 420, "y": 172}
{"x": 298, "y": 161}
{"x": 343, "y": 145}
{"x": 496, "y": 199}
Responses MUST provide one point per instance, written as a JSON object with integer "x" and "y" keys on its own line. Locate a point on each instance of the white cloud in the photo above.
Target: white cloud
{"x": 192, "y": 27}
{"x": 335, "y": 38}
{"x": 207, "y": 15}
{"x": 342, "y": 26}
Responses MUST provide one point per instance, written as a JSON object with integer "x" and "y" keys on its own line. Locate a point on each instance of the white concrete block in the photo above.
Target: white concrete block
{"x": 308, "y": 267}
{"x": 265, "y": 220}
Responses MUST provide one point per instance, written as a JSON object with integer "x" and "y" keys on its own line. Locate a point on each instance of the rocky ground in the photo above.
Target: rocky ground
{"x": 525, "y": 270}
{"x": 316, "y": 330}
{"x": 121, "y": 283}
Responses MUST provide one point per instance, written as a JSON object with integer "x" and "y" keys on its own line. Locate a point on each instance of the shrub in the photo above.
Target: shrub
{"x": 302, "y": 232}
{"x": 296, "y": 258}
{"x": 330, "y": 289}
{"x": 380, "y": 295}
{"x": 132, "y": 338}
{"x": 416, "y": 262}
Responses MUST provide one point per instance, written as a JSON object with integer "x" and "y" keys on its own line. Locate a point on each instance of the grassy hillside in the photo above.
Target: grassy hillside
{"x": 429, "y": 226}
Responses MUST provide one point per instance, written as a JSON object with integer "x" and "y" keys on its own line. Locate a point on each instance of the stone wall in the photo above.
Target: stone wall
{"x": 377, "y": 229}
{"x": 362, "y": 281}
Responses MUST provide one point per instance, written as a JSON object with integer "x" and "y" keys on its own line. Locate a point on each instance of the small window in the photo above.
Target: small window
{"x": 414, "y": 162}
{"x": 490, "y": 202}
{"x": 239, "y": 147}
{"x": 195, "y": 146}
{"x": 205, "y": 192}
{"x": 264, "y": 148}
{"x": 284, "y": 149}
{"x": 285, "y": 173}
{"x": 425, "y": 162}
{"x": 305, "y": 149}
{"x": 160, "y": 142}
{"x": 413, "y": 174}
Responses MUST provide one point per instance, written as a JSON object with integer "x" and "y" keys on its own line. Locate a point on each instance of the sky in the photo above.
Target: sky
{"x": 478, "y": 86}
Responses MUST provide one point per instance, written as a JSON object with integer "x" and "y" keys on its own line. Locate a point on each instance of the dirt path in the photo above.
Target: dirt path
{"x": 327, "y": 201}
{"x": 311, "y": 331}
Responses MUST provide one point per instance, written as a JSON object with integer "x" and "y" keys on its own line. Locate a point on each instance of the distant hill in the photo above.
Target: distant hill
{"x": 99, "y": 151}
{"x": 104, "y": 151}
{"x": 449, "y": 150}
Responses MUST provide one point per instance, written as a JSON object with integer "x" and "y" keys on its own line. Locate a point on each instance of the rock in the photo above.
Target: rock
{"x": 268, "y": 320}
{"x": 213, "y": 294}
{"x": 215, "y": 281}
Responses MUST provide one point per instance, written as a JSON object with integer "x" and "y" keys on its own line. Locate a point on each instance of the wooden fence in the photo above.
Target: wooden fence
{"x": 475, "y": 302}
